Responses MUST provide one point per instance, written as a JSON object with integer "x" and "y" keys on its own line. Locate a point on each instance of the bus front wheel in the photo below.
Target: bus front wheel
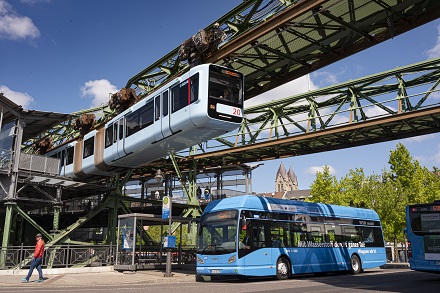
{"x": 283, "y": 270}
{"x": 355, "y": 265}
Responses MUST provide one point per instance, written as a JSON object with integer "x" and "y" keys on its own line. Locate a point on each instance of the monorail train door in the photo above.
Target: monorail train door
{"x": 121, "y": 137}
{"x": 161, "y": 117}
{"x": 165, "y": 121}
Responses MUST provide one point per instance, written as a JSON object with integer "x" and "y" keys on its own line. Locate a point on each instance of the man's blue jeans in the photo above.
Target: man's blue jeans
{"x": 36, "y": 262}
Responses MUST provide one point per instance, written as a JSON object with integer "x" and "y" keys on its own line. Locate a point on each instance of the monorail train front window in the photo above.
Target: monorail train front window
{"x": 226, "y": 85}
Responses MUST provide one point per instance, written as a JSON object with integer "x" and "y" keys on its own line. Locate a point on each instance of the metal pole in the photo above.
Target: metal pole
{"x": 168, "y": 264}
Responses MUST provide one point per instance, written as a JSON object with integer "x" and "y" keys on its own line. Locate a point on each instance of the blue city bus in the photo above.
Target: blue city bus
{"x": 423, "y": 234}
{"x": 258, "y": 236}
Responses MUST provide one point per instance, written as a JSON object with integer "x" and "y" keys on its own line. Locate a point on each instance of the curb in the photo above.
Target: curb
{"x": 59, "y": 271}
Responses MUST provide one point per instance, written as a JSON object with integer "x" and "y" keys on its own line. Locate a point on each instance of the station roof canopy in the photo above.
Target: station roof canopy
{"x": 37, "y": 122}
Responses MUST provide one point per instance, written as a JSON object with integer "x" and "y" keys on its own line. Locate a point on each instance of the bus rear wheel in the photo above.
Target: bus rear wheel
{"x": 283, "y": 270}
{"x": 355, "y": 265}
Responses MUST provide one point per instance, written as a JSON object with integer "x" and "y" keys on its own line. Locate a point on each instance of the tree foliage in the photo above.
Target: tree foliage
{"x": 406, "y": 182}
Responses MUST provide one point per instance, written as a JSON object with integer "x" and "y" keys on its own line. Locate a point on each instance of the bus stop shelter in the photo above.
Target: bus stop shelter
{"x": 136, "y": 250}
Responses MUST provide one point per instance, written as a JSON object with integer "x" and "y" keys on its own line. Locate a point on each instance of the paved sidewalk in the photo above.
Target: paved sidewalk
{"x": 99, "y": 278}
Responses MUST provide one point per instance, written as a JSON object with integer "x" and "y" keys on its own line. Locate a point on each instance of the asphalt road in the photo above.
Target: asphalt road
{"x": 380, "y": 280}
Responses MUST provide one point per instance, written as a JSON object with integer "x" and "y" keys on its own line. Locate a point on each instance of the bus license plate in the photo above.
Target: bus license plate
{"x": 215, "y": 271}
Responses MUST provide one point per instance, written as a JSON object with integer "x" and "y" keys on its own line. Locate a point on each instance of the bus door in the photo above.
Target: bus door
{"x": 260, "y": 253}
{"x": 165, "y": 121}
{"x": 121, "y": 136}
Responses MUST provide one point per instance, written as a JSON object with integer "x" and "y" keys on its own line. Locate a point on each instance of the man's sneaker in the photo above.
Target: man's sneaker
{"x": 39, "y": 280}
{"x": 24, "y": 280}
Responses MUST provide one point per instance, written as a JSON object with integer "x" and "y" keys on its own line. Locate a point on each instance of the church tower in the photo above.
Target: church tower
{"x": 285, "y": 181}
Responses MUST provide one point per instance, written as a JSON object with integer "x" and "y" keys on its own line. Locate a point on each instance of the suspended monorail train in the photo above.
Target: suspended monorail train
{"x": 201, "y": 104}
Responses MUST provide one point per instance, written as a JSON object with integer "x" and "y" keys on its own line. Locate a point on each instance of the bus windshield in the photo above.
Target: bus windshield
{"x": 217, "y": 233}
{"x": 226, "y": 86}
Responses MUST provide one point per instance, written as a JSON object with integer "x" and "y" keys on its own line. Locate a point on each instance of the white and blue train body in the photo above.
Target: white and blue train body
{"x": 203, "y": 103}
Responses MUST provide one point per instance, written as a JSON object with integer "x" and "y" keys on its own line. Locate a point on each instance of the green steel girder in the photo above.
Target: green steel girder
{"x": 275, "y": 41}
{"x": 65, "y": 131}
{"x": 315, "y": 113}
{"x": 353, "y": 97}
{"x": 245, "y": 16}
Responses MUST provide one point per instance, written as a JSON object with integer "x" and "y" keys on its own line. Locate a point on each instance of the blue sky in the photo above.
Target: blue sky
{"x": 66, "y": 55}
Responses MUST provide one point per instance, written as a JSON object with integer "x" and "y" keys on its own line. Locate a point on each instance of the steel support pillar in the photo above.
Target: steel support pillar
{"x": 6, "y": 231}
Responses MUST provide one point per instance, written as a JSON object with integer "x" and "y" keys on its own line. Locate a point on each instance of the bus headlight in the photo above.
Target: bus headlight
{"x": 200, "y": 261}
{"x": 232, "y": 259}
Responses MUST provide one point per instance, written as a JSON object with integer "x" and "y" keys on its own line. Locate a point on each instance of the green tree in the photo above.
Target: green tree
{"x": 407, "y": 182}
{"x": 325, "y": 188}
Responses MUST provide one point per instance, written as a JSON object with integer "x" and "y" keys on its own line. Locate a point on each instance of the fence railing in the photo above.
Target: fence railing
{"x": 59, "y": 256}
{"x": 71, "y": 256}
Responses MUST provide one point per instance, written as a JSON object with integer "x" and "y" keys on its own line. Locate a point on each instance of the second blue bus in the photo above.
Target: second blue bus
{"x": 423, "y": 234}
{"x": 257, "y": 236}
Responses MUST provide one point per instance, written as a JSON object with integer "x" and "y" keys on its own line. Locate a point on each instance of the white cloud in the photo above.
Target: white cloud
{"x": 14, "y": 26}
{"x": 34, "y": 1}
{"x": 314, "y": 169}
{"x": 420, "y": 138}
{"x": 325, "y": 78}
{"x": 435, "y": 51}
{"x": 23, "y": 99}
{"x": 436, "y": 157}
{"x": 99, "y": 90}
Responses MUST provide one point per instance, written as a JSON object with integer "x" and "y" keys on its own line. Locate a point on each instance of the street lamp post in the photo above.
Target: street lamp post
{"x": 170, "y": 205}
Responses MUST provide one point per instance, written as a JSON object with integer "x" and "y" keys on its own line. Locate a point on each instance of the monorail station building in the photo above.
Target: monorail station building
{"x": 79, "y": 219}
{"x": 29, "y": 184}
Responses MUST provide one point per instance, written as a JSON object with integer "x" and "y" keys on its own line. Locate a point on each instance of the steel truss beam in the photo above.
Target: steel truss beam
{"x": 394, "y": 104}
{"x": 275, "y": 41}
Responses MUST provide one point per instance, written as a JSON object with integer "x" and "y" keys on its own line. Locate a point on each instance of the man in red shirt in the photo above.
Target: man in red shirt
{"x": 37, "y": 259}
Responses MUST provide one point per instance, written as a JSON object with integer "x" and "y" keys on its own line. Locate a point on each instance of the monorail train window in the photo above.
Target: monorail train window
{"x": 139, "y": 119}
{"x": 69, "y": 157}
{"x": 179, "y": 96}
{"x": 225, "y": 85}
{"x": 194, "y": 87}
{"x": 88, "y": 147}
{"x": 109, "y": 136}
{"x": 165, "y": 104}
{"x": 121, "y": 128}
{"x": 157, "y": 108}
{"x": 146, "y": 115}
{"x": 115, "y": 132}
{"x": 132, "y": 123}
{"x": 61, "y": 157}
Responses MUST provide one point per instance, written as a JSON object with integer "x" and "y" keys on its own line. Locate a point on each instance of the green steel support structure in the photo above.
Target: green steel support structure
{"x": 272, "y": 42}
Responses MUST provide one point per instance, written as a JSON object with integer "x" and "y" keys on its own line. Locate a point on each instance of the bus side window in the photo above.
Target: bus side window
{"x": 350, "y": 234}
{"x": 298, "y": 233}
{"x": 258, "y": 236}
{"x": 280, "y": 235}
{"x": 333, "y": 233}
{"x": 316, "y": 233}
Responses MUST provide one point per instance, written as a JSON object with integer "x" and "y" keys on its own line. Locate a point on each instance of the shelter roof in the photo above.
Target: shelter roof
{"x": 37, "y": 122}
